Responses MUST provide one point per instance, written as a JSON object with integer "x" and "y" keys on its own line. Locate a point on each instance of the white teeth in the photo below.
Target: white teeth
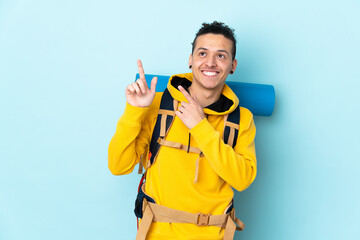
{"x": 209, "y": 73}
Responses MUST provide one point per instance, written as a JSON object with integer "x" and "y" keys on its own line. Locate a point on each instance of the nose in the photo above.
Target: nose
{"x": 211, "y": 61}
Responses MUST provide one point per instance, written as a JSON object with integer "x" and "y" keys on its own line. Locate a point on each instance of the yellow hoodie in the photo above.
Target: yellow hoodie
{"x": 170, "y": 180}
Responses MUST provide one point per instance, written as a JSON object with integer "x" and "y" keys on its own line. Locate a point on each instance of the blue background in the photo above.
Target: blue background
{"x": 64, "y": 66}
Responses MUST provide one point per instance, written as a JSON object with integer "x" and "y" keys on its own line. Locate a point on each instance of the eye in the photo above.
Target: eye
{"x": 221, "y": 56}
{"x": 202, "y": 54}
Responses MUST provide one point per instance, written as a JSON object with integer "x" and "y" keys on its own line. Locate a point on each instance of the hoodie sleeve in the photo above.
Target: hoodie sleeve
{"x": 131, "y": 139}
{"x": 237, "y": 166}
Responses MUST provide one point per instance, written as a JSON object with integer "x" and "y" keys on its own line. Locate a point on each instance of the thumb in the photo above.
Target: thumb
{"x": 153, "y": 84}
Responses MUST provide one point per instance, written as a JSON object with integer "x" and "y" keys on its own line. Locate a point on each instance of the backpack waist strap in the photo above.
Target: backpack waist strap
{"x": 158, "y": 213}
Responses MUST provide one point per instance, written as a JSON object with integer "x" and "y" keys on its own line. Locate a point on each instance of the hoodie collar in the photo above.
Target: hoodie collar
{"x": 227, "y": 102}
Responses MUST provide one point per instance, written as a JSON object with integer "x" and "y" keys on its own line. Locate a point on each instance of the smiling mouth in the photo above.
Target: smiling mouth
{"x": 210, "y": 73}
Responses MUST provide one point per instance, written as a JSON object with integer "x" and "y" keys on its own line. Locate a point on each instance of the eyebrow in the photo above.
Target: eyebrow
{"x": 220, "y": 50}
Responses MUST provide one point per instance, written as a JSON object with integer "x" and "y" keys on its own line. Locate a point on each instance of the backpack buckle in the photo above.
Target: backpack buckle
{"x": 203, "y": 219}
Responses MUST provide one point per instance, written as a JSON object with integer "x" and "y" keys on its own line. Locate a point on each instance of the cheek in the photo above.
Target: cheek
{"x": 196, "y": 64}
{"x": 227, "y": 67}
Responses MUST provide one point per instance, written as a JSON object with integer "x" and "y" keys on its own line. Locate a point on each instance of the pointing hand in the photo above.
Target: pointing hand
{"x": 138, "y": 93}
{"x": 191, "y": 112}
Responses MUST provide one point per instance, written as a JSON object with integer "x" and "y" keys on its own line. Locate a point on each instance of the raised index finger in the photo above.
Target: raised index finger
{"x": 186, "y": 94}
{"x": 141, "y": 69}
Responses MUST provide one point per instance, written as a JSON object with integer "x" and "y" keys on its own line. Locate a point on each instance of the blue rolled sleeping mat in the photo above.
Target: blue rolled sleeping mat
{"x": 258, "y": 98}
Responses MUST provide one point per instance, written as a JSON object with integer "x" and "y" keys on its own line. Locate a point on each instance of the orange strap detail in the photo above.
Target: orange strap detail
{"x": 231, "y": 137}
{"x": 140, "y": 171}
{"x": 232, "y": 125}
{"x": 166, "y": 112}
{"x": 163, "y": 125}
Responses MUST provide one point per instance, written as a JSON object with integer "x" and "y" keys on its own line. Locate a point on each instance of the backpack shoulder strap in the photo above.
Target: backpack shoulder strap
{"x": 231, "y": 127}
{"x": 164, "y": 121}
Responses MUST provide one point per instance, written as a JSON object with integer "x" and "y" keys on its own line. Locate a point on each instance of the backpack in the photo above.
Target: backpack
{"x": 166, "y": 115}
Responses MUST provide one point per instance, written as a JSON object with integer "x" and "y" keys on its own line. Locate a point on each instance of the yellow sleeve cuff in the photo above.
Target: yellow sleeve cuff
{"x": 203, "y": 132}
{"x": 134, "y": 114}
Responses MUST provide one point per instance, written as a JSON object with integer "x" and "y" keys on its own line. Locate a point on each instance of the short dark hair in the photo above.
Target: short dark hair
{"x": 217, "y": 28}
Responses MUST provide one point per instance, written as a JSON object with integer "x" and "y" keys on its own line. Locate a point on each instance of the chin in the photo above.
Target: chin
{"x": 211, "y": 86}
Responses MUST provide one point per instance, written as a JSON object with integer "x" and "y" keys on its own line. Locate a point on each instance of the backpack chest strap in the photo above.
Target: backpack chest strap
{"x": 177, "y": 145}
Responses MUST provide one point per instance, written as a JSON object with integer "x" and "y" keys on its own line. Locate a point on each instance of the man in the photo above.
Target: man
{"x": 193, "y": 172}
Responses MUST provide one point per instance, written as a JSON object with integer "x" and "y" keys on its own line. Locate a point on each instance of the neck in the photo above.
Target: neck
{"x": 205, "y": 96}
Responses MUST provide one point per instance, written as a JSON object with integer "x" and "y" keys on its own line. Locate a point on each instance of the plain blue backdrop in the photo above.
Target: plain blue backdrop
{"x": 64, "y": 66}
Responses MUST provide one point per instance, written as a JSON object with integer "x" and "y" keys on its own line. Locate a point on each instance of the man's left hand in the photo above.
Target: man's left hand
{"x": 190, "y": 113}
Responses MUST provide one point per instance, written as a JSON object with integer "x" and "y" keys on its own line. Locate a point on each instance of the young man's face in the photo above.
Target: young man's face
{"x": 211, "y": 61}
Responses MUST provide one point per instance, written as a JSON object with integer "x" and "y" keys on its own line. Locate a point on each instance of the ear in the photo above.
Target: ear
{"x": 233, "y": 65}
{"x": 190, "y": 60}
